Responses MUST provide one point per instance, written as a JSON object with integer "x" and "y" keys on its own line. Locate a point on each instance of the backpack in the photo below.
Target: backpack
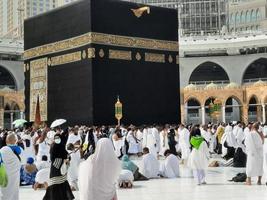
{"x": 3, "y": 174}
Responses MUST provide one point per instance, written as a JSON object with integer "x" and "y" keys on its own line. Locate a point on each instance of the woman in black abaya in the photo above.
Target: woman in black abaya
{"x": 58, "y": 186}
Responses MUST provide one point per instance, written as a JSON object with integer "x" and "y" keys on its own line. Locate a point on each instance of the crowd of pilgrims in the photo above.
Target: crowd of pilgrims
{"x": 94, "y": 159}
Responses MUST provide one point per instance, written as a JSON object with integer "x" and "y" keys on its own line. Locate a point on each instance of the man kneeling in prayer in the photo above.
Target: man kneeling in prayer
{"x": 170, "y": 168}
{"x": 150, "y": 165}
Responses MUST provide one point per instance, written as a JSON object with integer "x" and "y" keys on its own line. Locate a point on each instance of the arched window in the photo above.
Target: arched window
{"x": 243, "y": 17}
{"x": 232, "y": 109}
{"x": 232, "y": 19}
{"x": 256, "y": 70}
{"x": 253, "y": 15}
{"x": 247, "y": 17}
{"x": 237, "y": 18}
{"x": 6, "y": 79}
{"x": 258, "y": 15}
{"x": 209, "y": 72}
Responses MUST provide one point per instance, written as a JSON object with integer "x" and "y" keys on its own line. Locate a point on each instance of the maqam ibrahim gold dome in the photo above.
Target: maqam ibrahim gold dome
{"x": 190, "y": 87}
{"x": 232, "y": 85}
{"x": 260, "y": 83}
{"x": 211, "y": 86}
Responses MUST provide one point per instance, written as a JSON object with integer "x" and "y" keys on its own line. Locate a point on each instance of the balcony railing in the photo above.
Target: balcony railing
{"x": 253, "y": 80}
{"x": 7, "y": 87}
{"x": 204, "y": 83}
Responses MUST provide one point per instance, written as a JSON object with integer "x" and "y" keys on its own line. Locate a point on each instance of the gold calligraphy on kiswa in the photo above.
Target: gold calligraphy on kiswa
{"x": 155, "y": 57}
{"x": 101, "y": 38}
{"x": 66, "y": 58}
{"x": 120, "y": 55}
{"x": 38, "y": 88}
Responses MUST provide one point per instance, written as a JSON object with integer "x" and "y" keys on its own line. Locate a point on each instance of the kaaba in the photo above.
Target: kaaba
{"x": 80, "y": 57}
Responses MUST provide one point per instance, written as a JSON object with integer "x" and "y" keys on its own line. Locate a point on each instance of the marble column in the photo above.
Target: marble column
{"x": 2, "y": 118}
{"x": 21, "y": 115}
{"x": 263, "y": 113}
{"x": 223, "y": 114}
{"x": 245, "y": 114}
{"x": 203, "y": 114}
{"x": 11, "y": 120}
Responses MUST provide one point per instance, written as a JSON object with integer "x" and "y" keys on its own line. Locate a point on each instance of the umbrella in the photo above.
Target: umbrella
{"x": 19, "y": 122}
{"x": 57, "y": 122}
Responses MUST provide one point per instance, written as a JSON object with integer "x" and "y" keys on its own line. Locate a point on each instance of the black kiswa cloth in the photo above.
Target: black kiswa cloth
{"x": 84, "y": 90}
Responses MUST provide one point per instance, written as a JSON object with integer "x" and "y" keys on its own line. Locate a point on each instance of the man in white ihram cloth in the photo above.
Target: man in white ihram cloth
{"x": 170, "y": 168}
{"x": 184, "y": 137}
{"x": 12, "y": 165}
{"x": 254, "y": 149}
{"x": 151, "y": 142}
{"x": 149, "y": 165}
{"x": 98, "y": 174}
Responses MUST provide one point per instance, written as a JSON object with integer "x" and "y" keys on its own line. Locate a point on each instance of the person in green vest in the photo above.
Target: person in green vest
{"x": 199, "y": 158}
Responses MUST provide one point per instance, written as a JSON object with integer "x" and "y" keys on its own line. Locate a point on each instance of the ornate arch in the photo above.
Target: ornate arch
{"x": 250, "y": 65}
{"x": 258, "y": 14}
{"x": 192, "y": 98}
{"x": 8, "y": 76}
{"x": 211, "y": 67}
{"x": 256, "y": 98}
{"x": 247, "y": 16}
{"x": 234, "y": 97}
{"x": 12, "y": 101}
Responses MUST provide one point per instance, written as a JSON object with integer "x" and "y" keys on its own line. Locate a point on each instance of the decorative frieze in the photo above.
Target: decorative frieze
{"x": 154, "y": 57}
{"x": 66, "y": 58}
{"x": 120, "y": 55}
{"x": 101, "y": 38}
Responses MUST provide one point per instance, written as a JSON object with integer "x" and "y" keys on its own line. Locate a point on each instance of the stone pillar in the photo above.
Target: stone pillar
{"x": 245, "y": 114}
{"x": 2, "y": 111}
{"x": 11, "y": 120}
{"x": 223, "y": 114}
{"x": 259, "y": 113}
{"x": 263, "y": 113}
{"x": 182, "y": 113}
{"x": 21, "y": 115}
{"x": 203, "y": 114}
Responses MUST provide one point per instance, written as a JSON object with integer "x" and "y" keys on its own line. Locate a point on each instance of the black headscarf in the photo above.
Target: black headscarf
{"x": 59, "y": 150}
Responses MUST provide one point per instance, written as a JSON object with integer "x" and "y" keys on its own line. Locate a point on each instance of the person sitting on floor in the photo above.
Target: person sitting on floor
{"x": 127, "y": 164}
{"x": 44, "y": 163}
{"x": 28, "y": 172}
{"x": 170, "y": 168}
{"x": 150, "y": 165}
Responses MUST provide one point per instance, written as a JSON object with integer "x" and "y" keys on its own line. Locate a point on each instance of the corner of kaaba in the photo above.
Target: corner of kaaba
{"x": 80, "y": 57}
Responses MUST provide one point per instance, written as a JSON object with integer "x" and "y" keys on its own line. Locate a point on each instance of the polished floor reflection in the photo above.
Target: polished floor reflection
{"x": 183, "y": 188}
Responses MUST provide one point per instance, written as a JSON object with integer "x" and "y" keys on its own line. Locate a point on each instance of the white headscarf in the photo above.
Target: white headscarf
{"x": 98, "y": 174}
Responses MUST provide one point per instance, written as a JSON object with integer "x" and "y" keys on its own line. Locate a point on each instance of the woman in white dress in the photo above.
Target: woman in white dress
{"x": 98, "y": 174}
{"x": 198, "y": 159}
{"x": 254, "y": 148}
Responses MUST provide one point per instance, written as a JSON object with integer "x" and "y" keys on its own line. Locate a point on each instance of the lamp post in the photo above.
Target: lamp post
{"x": 118, "y": 110}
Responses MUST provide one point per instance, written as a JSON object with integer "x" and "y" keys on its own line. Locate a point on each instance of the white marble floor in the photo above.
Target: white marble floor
{"x": 184, "y": 188}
